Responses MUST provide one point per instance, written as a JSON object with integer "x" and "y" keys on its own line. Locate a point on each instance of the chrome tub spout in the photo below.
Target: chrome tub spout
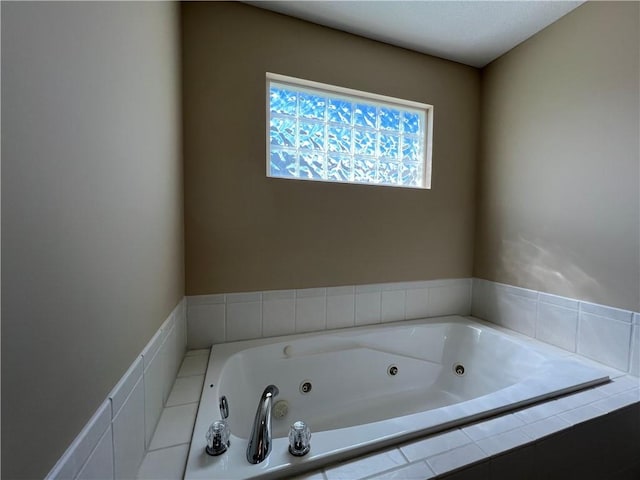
{"x": 260, "y": 440}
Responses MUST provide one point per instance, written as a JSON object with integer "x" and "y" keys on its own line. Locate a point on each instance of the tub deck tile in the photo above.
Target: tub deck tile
{"x": 366, "y": 466}
{"x": 456, "y": 459}
{"x": 494, "y": 426}
{"x": 414, "y": 471}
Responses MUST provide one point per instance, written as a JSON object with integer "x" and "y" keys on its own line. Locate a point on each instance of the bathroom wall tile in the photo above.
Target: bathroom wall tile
{"x": 78, "y": 452}
{"x": 517, "y": 312}
{"x": 154, "y": 378}
{"x": 606, "y": 312}
{"x": 311, "y": 314}
{"x": 366, "y": 466}
{"x": 415, "y": 471}
{"x": 124, "y": 387}
{"x": 165, "y": 464}
{"x": 367, "y": 308}
{"x": 193, "y": 365}
{"x": 557, "y": 325}
{"x": 318, "y": 475}
{"x": 456, "y": 458}
{"x": 492, "y": 427}
{"x": 343, "y": 290}
{"x": 172, "y": 359}
{"x": 199, "y": 351}
{"x": 545, "y": 427}
{"x": 151, "y": 349}
{"x": 515, "y": 464}
{"x": 634, "y": 362}
{"x": 636, "y": 318}
{"x": 483, "y": 299}
{"x": 606, "y": 341}
{"x": 513, "y": 290}
{"x": 503, "y": 442}
{"x": 206, "y": 325}
{"x": 451, "y": 299}
{"x": 278, "y": 313}
{"x": 243, "y": 297}
{"x": 340, "y": 308}
{"x": 371, "y": 288}
{"x": 205, "y": 299}
{"x": 434, "y": 445}
{"x": 244, "y": 320}
{"x": 129, "y": 434}
{"x": 558, "y": 301}
{"x": 99, "y": 466}
{"x": 175, "y": 426}
{"x": 416, "y": 303}
{"x": 392, "y": 305}
{"x": 186, "y": 390}
{"x": 181, "y": 328}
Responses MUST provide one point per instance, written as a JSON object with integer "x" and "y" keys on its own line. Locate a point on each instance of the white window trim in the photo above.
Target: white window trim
{"x": 383, "y": 99}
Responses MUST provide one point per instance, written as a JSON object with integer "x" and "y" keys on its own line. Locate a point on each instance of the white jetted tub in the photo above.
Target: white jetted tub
{"x": 371, "y": 387}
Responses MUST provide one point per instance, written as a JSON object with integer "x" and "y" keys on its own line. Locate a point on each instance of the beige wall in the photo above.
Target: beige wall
{"x": 559, "y": 206}
{"x": 247, "y": 232}
{"x": 91, "y": 210}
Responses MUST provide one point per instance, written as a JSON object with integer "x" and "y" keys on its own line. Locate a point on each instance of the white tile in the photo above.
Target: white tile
{"x": 491, "y": 427}
{"x": 244, "y": 297}
{"x": 372, "y": 288}
{"x": 416, "y": 303}
{"x": 559, "y": 301}
{"x": 339, "y": 291}
{"x": 175, "y": 426}
{"x": 99, "y": 466}
{"x": 502, "y": 442}
{"x": 172, "y": 359}
{"x": 415, "y": 471}
{"x": 456, "y": 458}
{"x": 434, "y": 445}
{"x": 151, "y": 349}
{"x": 539, "y": 412}
{"x": 392, "y": 305}
{"x": 244, "y": 321}
{"x": 617, "y": 401}
{"x": 634, "y": 362}
{"x": 181, "y": 328}
{"x": 186, "y": 390}
{"x": 318, "y": 475}
{"x": 513, "y": 290}
{"x": 606, "y": 341}
{"x": 278, "y": 316}
{"x": 206, "y": 325}
{"x": 578, "y": 399}
{"x": 517, "y": 312}
{"x": 557, "y": 326}
{"x": 366, "y": 466}
{"x": 200, "y": 351}
{"x": 311, "y": 293}
{"x": 636, "y": 318}
{"x": 78, "y": 452}
{"x": 367, "y": 308}
{"x": 619, "y": 385}
{"x": 545, "y": 427}
{"x": 581, "y": 414}
{"x": 482, "y": 299}
{"x": 311, "y": 314}
{"x": 166, "y": 464}
{"x": 124, "y": 386}
{"x": 154, "y": 377}
{"x": 449, "y": 300}
{"x": 128, "y": 434}
{"x": 340, "y": 310}
{"x": 194, "y": 365}
{"x": 205, "y": 299}
{"x": 278, "y": 295}
{"x": 607, "y": 312}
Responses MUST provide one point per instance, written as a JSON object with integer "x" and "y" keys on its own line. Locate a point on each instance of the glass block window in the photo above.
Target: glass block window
{"x": 333, "y": 134}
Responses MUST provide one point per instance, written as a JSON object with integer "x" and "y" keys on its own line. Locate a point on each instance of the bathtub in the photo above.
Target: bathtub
{"x": 372, "y": 387}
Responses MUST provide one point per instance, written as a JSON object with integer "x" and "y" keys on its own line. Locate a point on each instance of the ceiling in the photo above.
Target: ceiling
{"x": 470, "y": 32}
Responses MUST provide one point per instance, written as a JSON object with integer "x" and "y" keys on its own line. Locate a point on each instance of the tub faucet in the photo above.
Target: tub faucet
{"x": 260, "y": 440}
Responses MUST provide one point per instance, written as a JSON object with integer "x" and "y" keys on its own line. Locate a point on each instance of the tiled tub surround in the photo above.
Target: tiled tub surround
{"x": 503, "y": 372}
{"x": 114, "y": 441}
{"x": 244, "y": 316}
{"x": 608, "y": 335}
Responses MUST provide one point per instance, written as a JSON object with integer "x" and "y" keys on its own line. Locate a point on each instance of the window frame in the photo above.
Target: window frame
{"x": 365, "y": 96}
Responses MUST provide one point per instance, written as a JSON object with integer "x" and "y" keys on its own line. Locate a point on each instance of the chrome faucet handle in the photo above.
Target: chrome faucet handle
{"x": 218, "y": 438}
{"x": 299, "y": 439}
